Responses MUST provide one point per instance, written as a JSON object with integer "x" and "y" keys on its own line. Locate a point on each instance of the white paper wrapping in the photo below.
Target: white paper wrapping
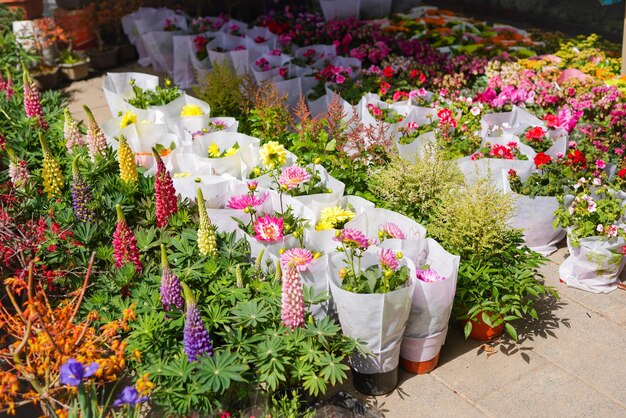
{"x": 340, "y": 9}
{"x": 379, "y": 320}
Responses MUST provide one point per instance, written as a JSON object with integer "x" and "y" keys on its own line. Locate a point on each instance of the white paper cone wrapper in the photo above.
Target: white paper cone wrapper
{"x": 594, "y": 265}
{"x": 340, "y": 9}
{"x": 117, "y": 89}
{"x": 409, "y": 151}
{"x": 379, "y": 320}
{"x": 494, "y": 166}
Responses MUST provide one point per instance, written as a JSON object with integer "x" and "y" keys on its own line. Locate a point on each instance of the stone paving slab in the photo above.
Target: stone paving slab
{"x": 572, "y": 362}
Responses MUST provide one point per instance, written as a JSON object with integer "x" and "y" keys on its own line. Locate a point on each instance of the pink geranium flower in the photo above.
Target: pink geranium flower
{"x": 269, "y": 229}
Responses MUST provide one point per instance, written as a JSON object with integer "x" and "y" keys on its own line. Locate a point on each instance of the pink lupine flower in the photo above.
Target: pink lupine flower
{"x": 269, "y": 229}
{"x": 293, "y": 176}
{"x": 96, "y": 141}
{"x": 32, "y": 101}
{"x": 124, "y": 243}
{"x": 164, "y": 193}
{"x": 293, "y": 309}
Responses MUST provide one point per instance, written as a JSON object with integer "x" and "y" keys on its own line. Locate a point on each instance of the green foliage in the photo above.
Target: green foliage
{"x": 501, "y": 288}
{"x": 416, "y": 189}
{"x": 221, "y": 89}
{"x": 472, "y": 219}
{"x": 158, "y": 97}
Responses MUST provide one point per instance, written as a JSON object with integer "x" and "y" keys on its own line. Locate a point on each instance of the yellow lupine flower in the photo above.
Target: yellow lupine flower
{"x": 126, "y": 160}
{"x": 128, "y": 119}
{"x": 273, "y": 155}
{"x": 207, "y": 242}
{"x": 191, "y": 110}
{"x": 51, "y": 171}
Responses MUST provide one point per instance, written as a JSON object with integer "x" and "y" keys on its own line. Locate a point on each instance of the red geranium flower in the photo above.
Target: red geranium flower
{"x": 542, "y": 159}
{"x": 622, "y": 173}
{"x": 577, "y": 159}
{"x": 536, "y": 133}
{"x": 388, "y": 71}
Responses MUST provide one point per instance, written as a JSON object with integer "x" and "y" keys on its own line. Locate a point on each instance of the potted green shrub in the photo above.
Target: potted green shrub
{"x": 498, "y": 275}
{"x": 74, "y": 66}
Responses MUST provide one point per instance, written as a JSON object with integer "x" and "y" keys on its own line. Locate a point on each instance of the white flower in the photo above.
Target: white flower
{"x": 597, "y": 181}
{"x": 571, "y": 209}
{"x": 592, "y": 206}
{"x": 475, "y": 111}
{"x": 611, "y": 231}
{"x": 599, "y": 228}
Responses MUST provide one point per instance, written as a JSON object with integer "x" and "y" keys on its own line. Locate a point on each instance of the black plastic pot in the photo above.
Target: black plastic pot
{"x": 375, "y": 384}
{"x": 126, "y": 53}
{"x": 103, "y": 60}
{"x": 49, "y": 80}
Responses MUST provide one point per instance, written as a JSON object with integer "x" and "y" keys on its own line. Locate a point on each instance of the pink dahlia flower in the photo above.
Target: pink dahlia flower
{"x": 269, "y": 229}
{"x": 391, "y": 230}
{"x": 352, "y": 238}
{"x": 389, "y": 260}
{"x": 429, "y": 276}
{"x": 293, "y": 176}
{"x": 298, "y": 258}
{"x": 246, "y": 201}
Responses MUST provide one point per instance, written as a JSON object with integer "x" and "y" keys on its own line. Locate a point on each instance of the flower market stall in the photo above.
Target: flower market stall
{"x": 302, "y": 203}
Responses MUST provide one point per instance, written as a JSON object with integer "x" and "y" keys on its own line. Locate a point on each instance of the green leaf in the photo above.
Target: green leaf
{"x": 218, "y": 372}
{"x": 511, "y": 331}
{"x": 468, "y": 329}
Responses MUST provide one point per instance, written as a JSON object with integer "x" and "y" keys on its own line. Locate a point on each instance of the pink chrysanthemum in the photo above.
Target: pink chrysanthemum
{"x": 429, "y": 276}
{"x": 391, "y": 230}
{"x": 389, "y": 260}
{"x": 293, "y": 176}
{"x": 298, "y": 258}
{"x": 352, "y": 238}
{"x": 269, "y": 229}
{"x": 246, "y": 201}
{"x": 292, "y": 313}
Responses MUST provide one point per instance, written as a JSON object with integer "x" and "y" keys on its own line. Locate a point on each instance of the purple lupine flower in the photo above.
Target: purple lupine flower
{"x": 129, "y": 396}
{"x": 73, "y": 372}
{"x": 81, "y": 196}
{"x": 196, "y": 338}
{"x": 171, "y": 290}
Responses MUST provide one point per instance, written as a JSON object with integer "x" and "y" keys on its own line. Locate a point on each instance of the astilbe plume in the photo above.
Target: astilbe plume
{"x": 207, "y": 242}
{"x": 196, "y": 338}
{"x": 124, "y": 243}
{"x": 96, "y": 141}
{"x": 171, "y": 290}
{"x": 126, "y": 161}
{"x": 18, "y": 170}
{"x": 32, "y": 100}
{"x": 292, "y": 313}
{"x": 81, "y": 196}
{"x": 51, "y": 170}
{"x": 164, "y": 193}
{"x": 72, "y": 135}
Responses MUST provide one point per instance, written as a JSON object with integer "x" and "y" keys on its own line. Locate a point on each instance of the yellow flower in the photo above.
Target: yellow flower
{"x": 128, "y": 119}
{"x": 273, "y": 155}
{"x": 214, "y": 150}
{"x": 231, "y": 151}
{"x": 191, "y": 110}
{"x": 181, "y": 175}
{"x": 333, "y": 216}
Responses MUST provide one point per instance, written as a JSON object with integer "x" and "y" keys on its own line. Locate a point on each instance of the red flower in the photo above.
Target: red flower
{"x": 536, "y": 133}
{"x": 512, "y": 173}
{"x": 388, "y": 71}
{"x": 577, "y": 159}
{"x": 551, "y": 120}
{"x": 413, "y": 74}
{"x": 622, "y": 173}
{"x": 542, "y": 159}
{"x": 384, "y": 87}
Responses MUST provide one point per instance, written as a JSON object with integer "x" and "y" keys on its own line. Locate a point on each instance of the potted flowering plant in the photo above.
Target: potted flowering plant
{"x": 594, "y": 218}
{"x": 73, "y": 66}
{"x": 372, "y": 292}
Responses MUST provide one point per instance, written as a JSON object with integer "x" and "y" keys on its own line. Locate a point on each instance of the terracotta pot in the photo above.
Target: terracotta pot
{"x": 482, "y": 331}
{"x": 48, "y": 81}
{"x": 419, "y": 367}
{"x": 32, "y": 8}
{"x": 103, "y": 60}
{"x": 74, "y": 72}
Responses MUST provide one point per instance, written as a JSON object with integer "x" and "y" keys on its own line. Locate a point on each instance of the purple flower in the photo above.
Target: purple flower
{"x": 129, "y": 396}
{"x": 73, "y": 372}
{"x": 171, "y": 290}
{"x": 196, "y": 338}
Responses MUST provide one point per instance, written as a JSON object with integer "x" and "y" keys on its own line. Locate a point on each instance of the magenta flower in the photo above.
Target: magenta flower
{"x": 293, "y": 176}
{"x": 391, "y": 230}
{"x": 124, "y": 243}
{"x": 32, "y": 101}
{"x": 246, "y": 201}
{"x": 352, "y": 238}
{"x": 269, "y": 229}
{"x": 429, "y": 276}
{"x": 164, "y": 193}
{"x": 388, "y": 259}
{"x": 298, "y": 258}
{"x": 292, "y": 312}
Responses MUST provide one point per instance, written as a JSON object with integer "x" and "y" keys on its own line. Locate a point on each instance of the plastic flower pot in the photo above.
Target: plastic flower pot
{"x": 48, "y": 80}
{"x": 420, "y": 367}
{"x": 77, "y": 71}
{"x": 483, "y": 332}
{"x": 102, "y": 60}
